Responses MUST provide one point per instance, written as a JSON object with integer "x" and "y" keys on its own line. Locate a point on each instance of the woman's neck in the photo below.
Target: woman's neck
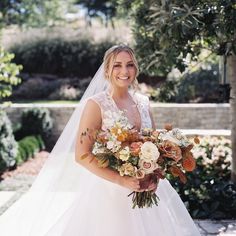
{"x": 120, "y": 94}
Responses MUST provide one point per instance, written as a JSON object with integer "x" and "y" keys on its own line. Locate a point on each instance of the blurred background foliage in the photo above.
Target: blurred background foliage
{"x": 65, "y": 41}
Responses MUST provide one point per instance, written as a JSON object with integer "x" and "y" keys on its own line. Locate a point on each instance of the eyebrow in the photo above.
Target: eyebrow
{"x": 118, "y": 62}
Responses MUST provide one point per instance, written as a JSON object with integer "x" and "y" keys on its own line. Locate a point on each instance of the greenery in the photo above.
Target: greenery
{"x": 98, "y": 8}
{"x": 8, "y": 145}
{"x": 8, "y": 73}
{"x": 199, "y": 86}
{"x": 35, "y": 121}
{"x": 60, "y": 56}
{"x": 34, "y": 13}
{"x": 28, "y": 147}
{"x": 209, "y": 193}
{"x": 167, "y": 31}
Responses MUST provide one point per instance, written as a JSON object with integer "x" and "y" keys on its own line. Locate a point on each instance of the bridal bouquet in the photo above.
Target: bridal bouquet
{"x": 147, "y": 155}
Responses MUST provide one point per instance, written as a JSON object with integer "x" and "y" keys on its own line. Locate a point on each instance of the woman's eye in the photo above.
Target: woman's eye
{"x": 130, "y": 65}
{"x": 117, "y": 65}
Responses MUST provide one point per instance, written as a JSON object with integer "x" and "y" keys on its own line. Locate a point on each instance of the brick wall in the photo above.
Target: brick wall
{"x": 185, "y": 116}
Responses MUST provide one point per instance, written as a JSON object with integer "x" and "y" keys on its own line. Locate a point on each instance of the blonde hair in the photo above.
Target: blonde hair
{"x": 109, "y": 59}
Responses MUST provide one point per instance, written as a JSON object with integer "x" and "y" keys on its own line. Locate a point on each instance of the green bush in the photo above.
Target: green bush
{"x": 199, "y": 86}
{"x": 28, "y": 147}
{"x": 8, "y": 73}
{"x": 59, "y": 56}
{"x": 8, "y": 145}
{"x": 35, "y": 121}
{"x": 209, "y": 193}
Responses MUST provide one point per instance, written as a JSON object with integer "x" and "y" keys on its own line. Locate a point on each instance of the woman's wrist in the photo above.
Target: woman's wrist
{"x": 119, "y": 180}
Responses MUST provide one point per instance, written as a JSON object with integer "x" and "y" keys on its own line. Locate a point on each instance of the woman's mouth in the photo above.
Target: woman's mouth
{"x": 123, "y": 78}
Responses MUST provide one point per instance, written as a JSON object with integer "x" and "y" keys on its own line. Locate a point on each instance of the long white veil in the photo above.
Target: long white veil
{"x": 58, "y": 183}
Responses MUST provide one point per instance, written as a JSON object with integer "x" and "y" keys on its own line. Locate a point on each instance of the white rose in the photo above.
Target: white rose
{"x": 149, "y": 151}
{"x": 169, "y": 136}
{"x": 147, "y": 166}
{"x": 124, "y": 154}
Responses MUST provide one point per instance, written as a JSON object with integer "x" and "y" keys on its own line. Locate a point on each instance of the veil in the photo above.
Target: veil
{"x": 59, "y": 170}
{"x": 59, "y": 182}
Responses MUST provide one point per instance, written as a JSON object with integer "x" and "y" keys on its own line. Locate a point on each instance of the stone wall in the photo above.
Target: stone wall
{"x": 184, "y": 116}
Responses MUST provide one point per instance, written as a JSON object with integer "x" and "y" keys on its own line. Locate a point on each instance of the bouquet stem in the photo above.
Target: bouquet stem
{"x": 144, "y": 199}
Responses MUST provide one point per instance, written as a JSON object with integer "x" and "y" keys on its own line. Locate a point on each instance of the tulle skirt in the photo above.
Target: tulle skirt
{"x": 98, "y": 208}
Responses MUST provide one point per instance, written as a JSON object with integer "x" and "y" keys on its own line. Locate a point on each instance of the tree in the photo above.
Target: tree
{"x": 166, "y": 32}
{"x": 34, "y": 13}
{"x": 97, "y": 8}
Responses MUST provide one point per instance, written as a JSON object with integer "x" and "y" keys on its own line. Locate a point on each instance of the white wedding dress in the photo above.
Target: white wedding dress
{"x": 92, "y": 206}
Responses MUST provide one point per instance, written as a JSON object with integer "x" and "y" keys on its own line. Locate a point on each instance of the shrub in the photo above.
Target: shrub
{"x": 77, "y": 57}
{"x": 209, "y": 193}
{"x": 8, "y": 145}
{"x": 199, "y": 86}
{"x": 35, "y": 121}
{"x": 28, "y": 147}
{"x": 8, "y": 73}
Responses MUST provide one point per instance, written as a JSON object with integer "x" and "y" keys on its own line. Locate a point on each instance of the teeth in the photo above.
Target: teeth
{"x": 123, "y": 78}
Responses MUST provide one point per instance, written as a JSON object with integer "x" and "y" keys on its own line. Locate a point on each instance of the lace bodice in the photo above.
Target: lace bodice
{"x": 111, "y": 113}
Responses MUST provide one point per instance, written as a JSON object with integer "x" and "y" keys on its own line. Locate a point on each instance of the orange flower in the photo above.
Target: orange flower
{"x": 122, "y": 137}
{"x": 133, "y": 136}
{"x": 171, "y": 150}
{"x": 168, "y": 127}
{"x": 196, "y": 140}
{"x": 135, "y": 148}
{"x": 189, "y": 163}
{"x": 176, "y": 172}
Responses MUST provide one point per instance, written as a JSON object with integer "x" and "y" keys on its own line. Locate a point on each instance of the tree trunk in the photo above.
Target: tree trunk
{"x": 232, "y": 79}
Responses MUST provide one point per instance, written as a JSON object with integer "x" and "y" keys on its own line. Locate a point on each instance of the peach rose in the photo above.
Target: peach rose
{"x": 176, "y": 172}
{"x": 189, "y": 163}
{"x": 171, "y": 150}
{"x": 135, "y": 148}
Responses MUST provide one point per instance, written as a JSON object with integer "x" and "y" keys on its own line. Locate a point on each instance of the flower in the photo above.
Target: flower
{"x": 133, "y": 135}
{"x": 113, "y": 145}
{"x": 149, "y": 151}
{"x": 175, "y": 171}
{"x": 175, "y": 136}
{"x": 124, "y": 154}
{"x": 189, "y": 163}
{"x": 135, "y": 148}
{"x": 140, "y": 174}
{"x": 168, "y": 127}
{"x": 171, "y": 150}
{"x": 147, "y": 166}
{"x": 127, "y": 169}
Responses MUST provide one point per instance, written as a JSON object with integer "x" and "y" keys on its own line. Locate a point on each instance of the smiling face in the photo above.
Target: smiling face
{"x": 123, "y": 71}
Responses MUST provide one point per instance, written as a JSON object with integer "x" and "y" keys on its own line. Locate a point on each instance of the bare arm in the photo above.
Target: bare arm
{"x": 91, "y": 119}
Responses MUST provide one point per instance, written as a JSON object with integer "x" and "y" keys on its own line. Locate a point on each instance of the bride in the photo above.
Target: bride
{"x": 72, "y": 196}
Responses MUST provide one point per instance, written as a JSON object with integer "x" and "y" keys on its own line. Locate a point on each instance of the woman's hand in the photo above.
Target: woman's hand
{"x": 152, "y": 186}
{"x": 131, "y": 183}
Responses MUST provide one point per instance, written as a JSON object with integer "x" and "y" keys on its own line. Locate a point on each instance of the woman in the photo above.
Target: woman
{"x": 67, "y": 199}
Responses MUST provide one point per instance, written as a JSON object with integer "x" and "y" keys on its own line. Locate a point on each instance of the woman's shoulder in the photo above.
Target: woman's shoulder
{"x": 99, "y": 97}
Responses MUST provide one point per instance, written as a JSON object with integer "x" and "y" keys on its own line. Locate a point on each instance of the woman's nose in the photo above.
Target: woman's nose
{"x": 124, "y": 70}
